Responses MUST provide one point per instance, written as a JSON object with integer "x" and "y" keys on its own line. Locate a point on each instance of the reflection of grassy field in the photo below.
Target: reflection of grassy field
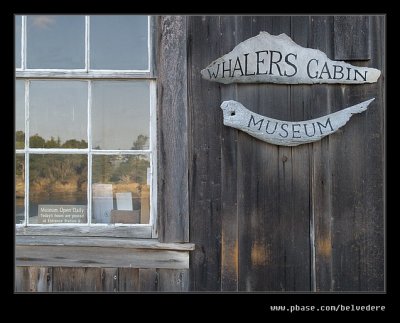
{"x": 19, "y": 188}
{"x": 126, "y": 187}
{"x": 45, "y": 185}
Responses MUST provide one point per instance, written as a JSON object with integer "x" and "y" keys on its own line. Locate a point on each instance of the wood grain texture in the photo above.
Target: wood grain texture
{"x": 142, "y": 232}
{"x": 101, "y": 242}
{"x": 271, "y": 230}
{"x": 171, "y": 280}
{"x": 357, "y": 190}
{"x": 109, "y": 279}
{"x": 351, "y": 37}
{"x": 347, "y": 189}
{"x": 128, "y": 280}
{"x": 77, "y": 279}
{"x": 229, "y": 213}
{"x": 205, "y": 155}
{"x": 33, "y": 279}
{"x": 288, "y": 200}
{"x": 74, "y": 256}
{"x": 300, "y": 101}
{"x": 172, "y": 136}
{"x": 373, "y": 268}
{"x": 154, "y": 20}
{"x": 148, "y": 280}
{"x": 321, "y": 182}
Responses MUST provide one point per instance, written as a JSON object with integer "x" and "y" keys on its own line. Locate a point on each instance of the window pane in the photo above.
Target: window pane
{"x": 58, "y": 114}
{"x": 57, "y": 189}
{"x": 118, "y": 42}
{"x": 19, "y": 114}
{"x": 56, "y": 42}
{"x": 18, "y": 27}
{"x": 121, "y": 191}
{"x": 120, "y": 114}
{"x": 19, "y": 188}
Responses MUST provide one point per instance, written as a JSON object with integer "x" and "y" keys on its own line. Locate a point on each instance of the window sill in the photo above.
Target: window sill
{"x": 100, "y": 252}
{"x": 139, "y": 231}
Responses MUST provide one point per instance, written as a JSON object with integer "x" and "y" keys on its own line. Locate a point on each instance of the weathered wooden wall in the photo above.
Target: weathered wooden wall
{"x": 262, "y": 217}
{"x": 269, "y": 218}
{"x": 73, "y": 279}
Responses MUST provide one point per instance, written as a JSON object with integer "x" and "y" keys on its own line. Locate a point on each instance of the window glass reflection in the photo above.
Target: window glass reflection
{"x": 119, "y": 42}
{"x": 19, "y": 188}
{"x": 18, "y": 28}
{"x": 58, "y": 114}
{"x": 120, "y": 114}
{"x": 121, "y": 190}
{"x": 56, "y": 42}
{"x": 57, "y": 189}
{"x": 19, "y": 114}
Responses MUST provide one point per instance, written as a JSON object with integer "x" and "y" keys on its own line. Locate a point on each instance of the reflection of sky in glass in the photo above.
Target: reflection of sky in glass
{"x": 55, "y": 41}
{"x": 18, "y": 22}
{"x": 19, "y": 105}
{"x": 118, "y": 42}
{"x": 120, "y": 113}
{"x": 58, "y": 109}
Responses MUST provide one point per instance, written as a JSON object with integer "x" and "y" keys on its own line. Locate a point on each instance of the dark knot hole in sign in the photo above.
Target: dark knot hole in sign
{"x": 233, "y": 113}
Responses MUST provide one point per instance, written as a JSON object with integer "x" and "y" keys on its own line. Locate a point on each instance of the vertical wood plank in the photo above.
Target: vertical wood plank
{"x": 229, "y": 213}
{"x": 109, "y": 279}
{"x": 273, "y": 218}
{"x": 74, "y": 279}
{"x": 173, "y": 205}
{"x": 351, "y": 38}
{"x": 321, "y": 219}
{"x": 205, "y": 155}
{"x": 154, "y": 20}
{"x": 295, "y": 166}
{"x": 173, "y": 280}
{"x": 373, "y": 251}
{"x": 357, "y": 191}
{"x": 128, "y": 279}
{"x": 33, "y": 279}
{"x": 292, "y": 251}
{"x": 148, "y": 280}
{"x": 256, "y": 162}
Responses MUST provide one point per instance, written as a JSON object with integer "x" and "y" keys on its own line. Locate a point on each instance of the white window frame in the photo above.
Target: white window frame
{"x": 88, "y": 75}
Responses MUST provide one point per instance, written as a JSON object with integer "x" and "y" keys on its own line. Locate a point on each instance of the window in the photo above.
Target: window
{"x": 85, "y": 125}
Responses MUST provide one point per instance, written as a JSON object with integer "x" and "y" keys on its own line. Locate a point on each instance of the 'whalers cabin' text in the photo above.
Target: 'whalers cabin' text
{"x": 272, "y": 62}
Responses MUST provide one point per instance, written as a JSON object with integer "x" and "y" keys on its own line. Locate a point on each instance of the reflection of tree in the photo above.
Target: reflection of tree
{"x": 19, "y": 175}
{"x": 19, "y": 139}
{"x": 102, "y": 168}
{"x": 53, "y": 170}
{"x": 52, "y": 143}
{"x": 115, "y": 169}
{"x": 73, "y": 143}
{"x": 127, "y": 173}
{"x": 37, "y": 141}
{"x": 20, "y": 167}
{"x": 141, "y": 142}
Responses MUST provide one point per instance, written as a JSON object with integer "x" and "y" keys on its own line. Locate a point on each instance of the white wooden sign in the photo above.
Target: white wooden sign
{"x": 102, "y": 202}
{"x": 267, "y": 58}
{"x": 286, "y": 133}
